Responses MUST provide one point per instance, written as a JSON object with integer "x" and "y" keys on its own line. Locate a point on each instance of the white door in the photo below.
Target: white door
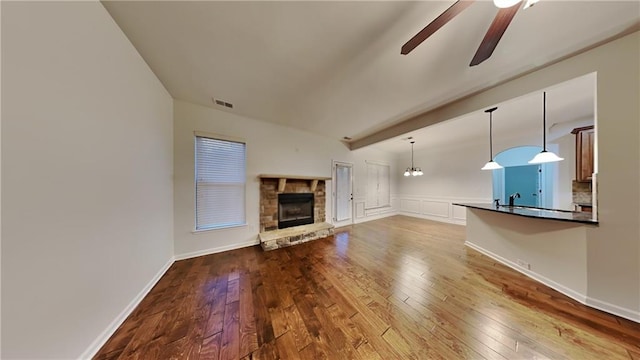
{"x": 342, "y": 194}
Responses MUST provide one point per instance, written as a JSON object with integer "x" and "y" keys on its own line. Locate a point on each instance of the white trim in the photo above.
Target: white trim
{"x": 99, "y": 342}
{"x": 613, "y": 309}
{"x": 359, "y": 210}
{"x": 334, "y": 193}
{"x": 462, "y": 218}
{"x": 420, "y": 212}
{"x": 579, "y": 297}
{"x": 425, "y": 212}
{"x": 215, "y": 136}
{"x": 405, "y": 208}
{"x": 216, "y": 250}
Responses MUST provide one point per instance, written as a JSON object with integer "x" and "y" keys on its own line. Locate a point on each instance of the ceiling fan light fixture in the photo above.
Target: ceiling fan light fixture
{"x": 507, "y": 11}
{"x": 505, "y": 3}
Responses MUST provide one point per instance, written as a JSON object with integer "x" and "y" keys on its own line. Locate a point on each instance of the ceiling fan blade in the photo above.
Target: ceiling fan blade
{"x": 436, "y": 24}
{"x": 493, "y": 35}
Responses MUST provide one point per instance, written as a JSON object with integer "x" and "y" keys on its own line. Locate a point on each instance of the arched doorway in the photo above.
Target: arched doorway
{"x": 534, "y": 183}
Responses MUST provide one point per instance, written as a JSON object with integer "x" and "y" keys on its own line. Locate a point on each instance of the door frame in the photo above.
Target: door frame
{"x": 334, "y": 194}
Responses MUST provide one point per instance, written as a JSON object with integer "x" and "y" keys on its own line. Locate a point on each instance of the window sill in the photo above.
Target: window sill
{"x": 200, "y": 231}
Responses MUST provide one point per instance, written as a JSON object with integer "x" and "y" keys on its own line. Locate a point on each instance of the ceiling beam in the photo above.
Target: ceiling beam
{"x": 536, "y": 79}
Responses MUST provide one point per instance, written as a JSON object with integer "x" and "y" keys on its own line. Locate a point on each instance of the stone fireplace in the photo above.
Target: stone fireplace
{"x": 292, "y": 210}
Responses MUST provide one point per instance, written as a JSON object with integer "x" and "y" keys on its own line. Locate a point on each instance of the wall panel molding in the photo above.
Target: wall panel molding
{"x": 436, "y": 208}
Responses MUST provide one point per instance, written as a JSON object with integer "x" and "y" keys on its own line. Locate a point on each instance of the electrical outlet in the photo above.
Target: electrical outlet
{"x": 523, "y": 264}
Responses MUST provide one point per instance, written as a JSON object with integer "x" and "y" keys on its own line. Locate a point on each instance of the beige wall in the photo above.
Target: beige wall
{"x": 86, "y": 178}
{"x": 566, "y": 172}
{"x": 271, "y": 149}
{"x": 453, "y": 175}
{"x": 555, "y": 251}
{"x": 0, "y": 176}
{"x": 613, "y": 248}
{"x": 613, "y": 261}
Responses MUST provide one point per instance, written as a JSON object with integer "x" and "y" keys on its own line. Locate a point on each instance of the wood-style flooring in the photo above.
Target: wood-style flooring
{"x": 396, "y": 288}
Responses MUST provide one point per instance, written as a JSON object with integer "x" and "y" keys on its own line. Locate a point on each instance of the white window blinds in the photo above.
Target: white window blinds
{"x": 220, "y": 183}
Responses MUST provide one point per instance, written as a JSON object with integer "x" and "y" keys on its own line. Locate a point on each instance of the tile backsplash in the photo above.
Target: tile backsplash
{"x": 581, "y": 192}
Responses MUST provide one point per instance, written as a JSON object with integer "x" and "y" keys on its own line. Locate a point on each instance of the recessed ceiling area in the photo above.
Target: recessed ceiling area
{"x": 334, "y": 68}
{"x": 567, "y": 103}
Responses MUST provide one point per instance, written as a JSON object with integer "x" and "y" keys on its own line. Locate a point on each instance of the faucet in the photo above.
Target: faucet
{"x": 496, "y": 202}
{"x": 512, "y": 197}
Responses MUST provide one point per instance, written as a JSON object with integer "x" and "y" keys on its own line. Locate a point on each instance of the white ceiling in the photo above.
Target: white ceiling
{"x": 334, "y": 68}
{"x": 570, "y": 104}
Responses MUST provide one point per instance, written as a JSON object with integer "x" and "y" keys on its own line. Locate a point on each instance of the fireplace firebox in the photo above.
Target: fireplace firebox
{"x": 295, "y": 209}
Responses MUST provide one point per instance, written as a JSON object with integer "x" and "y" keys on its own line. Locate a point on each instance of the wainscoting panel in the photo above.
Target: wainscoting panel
{"x": 363, "y": 214}
{"x": 437, "y": 209}
{"x": 410, "y": 205}
{"x": 359, "y": 209}
{"x": 459, "y": 213}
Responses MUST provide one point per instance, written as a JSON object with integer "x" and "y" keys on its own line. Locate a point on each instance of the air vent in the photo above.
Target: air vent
{"x": 222, "y": 103}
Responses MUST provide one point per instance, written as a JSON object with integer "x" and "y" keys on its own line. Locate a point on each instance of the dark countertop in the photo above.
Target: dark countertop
{"x": 540, "y": 213}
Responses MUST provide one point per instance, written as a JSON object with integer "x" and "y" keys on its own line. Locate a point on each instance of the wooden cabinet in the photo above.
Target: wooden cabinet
{"x": 585, "y": 138}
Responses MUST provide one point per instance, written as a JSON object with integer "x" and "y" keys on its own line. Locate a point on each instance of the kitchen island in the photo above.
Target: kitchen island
{"x": 535, "y": 212}
{"x": 547, "y": 245}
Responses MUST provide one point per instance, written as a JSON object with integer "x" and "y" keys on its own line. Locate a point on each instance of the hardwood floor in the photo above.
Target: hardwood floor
{"x": 396, "y": 288}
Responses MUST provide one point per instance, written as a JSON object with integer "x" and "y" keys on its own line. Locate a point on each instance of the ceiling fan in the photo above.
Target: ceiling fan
{"x": 508, "y": 9}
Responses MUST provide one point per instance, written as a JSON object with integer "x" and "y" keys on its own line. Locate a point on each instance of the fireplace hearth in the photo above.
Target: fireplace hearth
{"x": 295, "y": 209}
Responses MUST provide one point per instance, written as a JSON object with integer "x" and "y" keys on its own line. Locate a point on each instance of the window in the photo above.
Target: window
{"x": 378, "y": 193}
{"x": 220, "y": 183}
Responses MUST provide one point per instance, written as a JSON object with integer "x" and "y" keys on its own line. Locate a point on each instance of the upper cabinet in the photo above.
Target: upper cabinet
{"x": 585, "y": 137}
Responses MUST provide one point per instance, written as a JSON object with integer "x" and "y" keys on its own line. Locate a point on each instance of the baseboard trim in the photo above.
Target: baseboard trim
{"x": 97, "y": 344}
{"x": 581, "y": 298}
{"x": 216, "y": 250}
{"x": 575, "y": 295}
{"x": 613, "y": 309}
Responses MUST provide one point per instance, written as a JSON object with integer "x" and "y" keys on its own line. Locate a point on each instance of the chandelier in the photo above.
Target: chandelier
{"x": 413, "y": 171}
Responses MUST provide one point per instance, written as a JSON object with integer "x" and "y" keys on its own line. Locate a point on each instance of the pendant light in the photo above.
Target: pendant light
{"x": 491, "y": 165}
{"x": 544, "y": 156}
{"x": 413, "y": 171}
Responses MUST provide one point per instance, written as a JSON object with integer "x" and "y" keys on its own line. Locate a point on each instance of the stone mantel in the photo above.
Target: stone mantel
{"x": 282, "y": 180}
{"x": 273, "y": 185}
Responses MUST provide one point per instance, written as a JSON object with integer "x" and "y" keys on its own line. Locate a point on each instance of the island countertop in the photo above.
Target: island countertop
{"x": 534, "y": 212}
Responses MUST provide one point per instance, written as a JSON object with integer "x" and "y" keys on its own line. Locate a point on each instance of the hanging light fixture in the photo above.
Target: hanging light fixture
{"x": 413, "y": 171}
{"x": 544, "y": 156}
{"x": 491, "y": 165}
